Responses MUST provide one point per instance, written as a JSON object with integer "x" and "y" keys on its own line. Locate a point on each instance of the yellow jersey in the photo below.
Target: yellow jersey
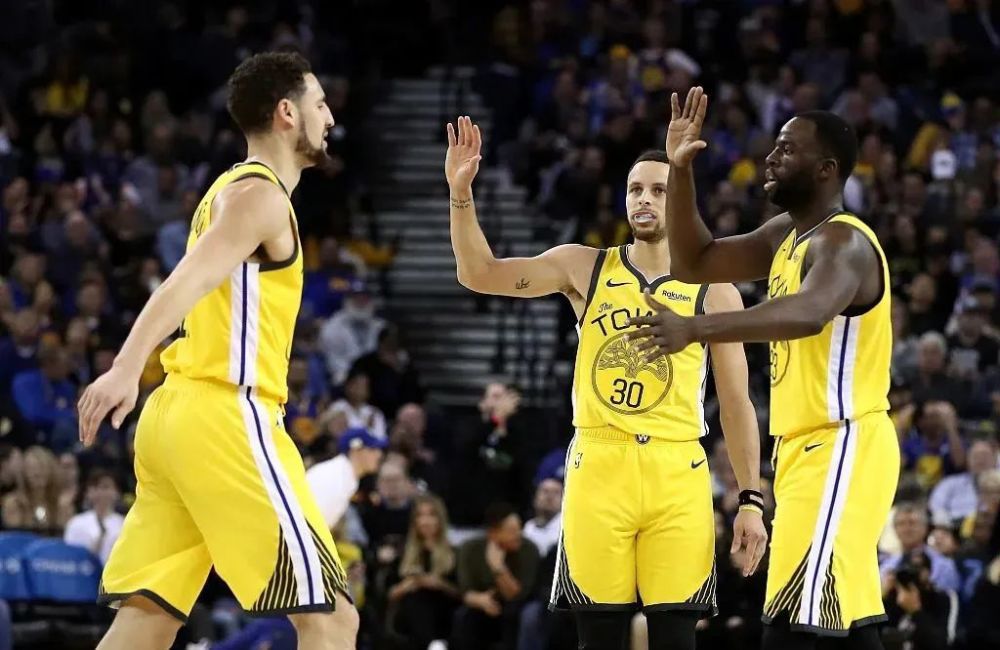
{"x": 240, "y": 333}
{"x": 613, "y": 385}
{"x": 840, "y": 374}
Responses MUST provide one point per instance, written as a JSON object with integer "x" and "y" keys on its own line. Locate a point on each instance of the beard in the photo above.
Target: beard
{"x": 653, "y": 236}
{"x": 311, "y": 156}
{"x": 793, "y": 192}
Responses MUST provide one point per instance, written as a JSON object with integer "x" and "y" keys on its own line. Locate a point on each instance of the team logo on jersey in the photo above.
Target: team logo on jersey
{"x": 779, "y": 350}
{"x": 625, "y": 382}
{"x": 579, "y": 457}
{"x": 779, "y": 353}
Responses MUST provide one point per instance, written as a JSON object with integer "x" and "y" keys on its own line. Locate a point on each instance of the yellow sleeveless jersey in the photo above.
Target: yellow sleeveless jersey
{"x": 613, "y": 385}
{"x": 241, "y": 332}
{"x": 840, "y": 374}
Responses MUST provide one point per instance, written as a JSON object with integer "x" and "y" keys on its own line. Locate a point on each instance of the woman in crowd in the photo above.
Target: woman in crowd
{"x": 426, "y": 597}
{"x": 37, "y": 503}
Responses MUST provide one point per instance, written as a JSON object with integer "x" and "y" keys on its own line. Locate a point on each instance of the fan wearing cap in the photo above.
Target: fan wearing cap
{"x": 351, "y": 332}
{"x": 972, "y": 349}
{"x": 334, "y": 482}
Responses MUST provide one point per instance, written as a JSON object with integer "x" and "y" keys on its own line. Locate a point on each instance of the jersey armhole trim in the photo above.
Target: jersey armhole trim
{"x": 860, "y": 310}
{"x": 699, "y": 302}
{"x": 274, "y": 266}
{"x": 594, "y": 277}
{"x": 280, "y": 264}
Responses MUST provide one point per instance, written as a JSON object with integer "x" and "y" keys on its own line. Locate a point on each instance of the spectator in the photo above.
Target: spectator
{"x": 324, "y": 289}
{"x": 500, "y": 451}
{"x": 11, "y": 469}
{"x": 545, "y": 528}
{"x": 910, "y": 523}
{"x": 354, "y": 406}
{"x": 335, "y": 481}
{"x": 304, "y": 406}
{"x": 930, "y": 380}
{"x": 818, "y": 63}
{"x": 494, "y": 573}
{"x": 35, "y": 503}
{"x": 19, "y": 351}
{"x": 426, "y": 597}
{"x": 386, "y": 518}
{"x": 934, "y": 447}
{"x": 972, "y": 349}
{"x": 97, "y": 529}
{"x": 408, "y": 440}
{"x": 955, "y": 497}
{"x": 394, "y": 379}
{"x": 350, "y": 333}
{"x": 921, "y": 613}
{"x": 46, "y": 398}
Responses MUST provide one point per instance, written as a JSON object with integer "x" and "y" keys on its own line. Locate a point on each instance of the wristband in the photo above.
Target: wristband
{"x": 752, "y": 508}
{"x": 752, "y": 498}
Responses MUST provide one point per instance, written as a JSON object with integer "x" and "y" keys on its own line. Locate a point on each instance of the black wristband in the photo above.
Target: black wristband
{"x": 751, "y": 498}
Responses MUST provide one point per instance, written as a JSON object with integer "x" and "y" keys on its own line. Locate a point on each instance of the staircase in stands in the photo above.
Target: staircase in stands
{"x": 457, "y": 339}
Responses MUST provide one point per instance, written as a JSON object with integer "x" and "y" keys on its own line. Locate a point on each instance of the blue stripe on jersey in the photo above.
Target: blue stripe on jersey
{"x": 284, "y": 500}
{"x": 243, "y": 344}
{"x": 840, "y": 371}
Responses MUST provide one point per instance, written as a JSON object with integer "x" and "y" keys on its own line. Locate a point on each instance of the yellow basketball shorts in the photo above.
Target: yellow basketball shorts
{"x": 833, "y": 489}
{"x": 221, "y": 483}
{"x": 637, "y": 521}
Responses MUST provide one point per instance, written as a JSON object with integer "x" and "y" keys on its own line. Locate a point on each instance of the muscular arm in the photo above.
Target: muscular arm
{"x": 695, "y": 256}
{"x": 245, "y": 215}
{"x": 518, "y": 277}
{"x": 840, "y": 256}
{"x": 739, "y": 420}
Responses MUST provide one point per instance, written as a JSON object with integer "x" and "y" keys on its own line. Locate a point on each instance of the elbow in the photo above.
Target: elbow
{"x": 472, "y": 280}
{"x": 812, "y": 326}
{"x": 467, "y": 280}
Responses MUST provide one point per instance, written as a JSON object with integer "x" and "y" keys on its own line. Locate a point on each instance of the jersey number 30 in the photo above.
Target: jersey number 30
{"x": 628, "y": 393}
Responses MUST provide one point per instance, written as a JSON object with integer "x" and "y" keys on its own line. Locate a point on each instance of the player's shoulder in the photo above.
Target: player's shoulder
{"x": 836, "y": 238}
{"x": 723, "y": 296}
{"x": 257, "y": 193}
{"x": 255, "y": 203}
{"x": 574, "y": 252}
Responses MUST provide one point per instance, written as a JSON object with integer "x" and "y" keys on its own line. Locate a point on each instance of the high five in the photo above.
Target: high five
{"x": 827, "y": 321}
{"x": 637, "y": 422}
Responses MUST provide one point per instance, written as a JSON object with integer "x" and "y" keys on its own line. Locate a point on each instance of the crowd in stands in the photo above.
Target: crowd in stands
{"x": 112, "y": 123}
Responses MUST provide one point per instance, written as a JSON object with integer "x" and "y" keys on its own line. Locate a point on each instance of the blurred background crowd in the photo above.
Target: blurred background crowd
{"x": 112, "y": 124}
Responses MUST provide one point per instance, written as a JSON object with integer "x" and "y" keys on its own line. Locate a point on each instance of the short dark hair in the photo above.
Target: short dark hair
{"x": 651, "y": 155}
{"x": 259, "y": 83}
{"x": 497, "y": 512}
{"x": 97, "y": 475}
{"x": 837, "y": 139}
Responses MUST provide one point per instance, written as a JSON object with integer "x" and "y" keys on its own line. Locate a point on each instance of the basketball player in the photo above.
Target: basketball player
{"x": 637, "y": 510}
{"x": 827, "y": 321}
{"x": 220, "y": 481}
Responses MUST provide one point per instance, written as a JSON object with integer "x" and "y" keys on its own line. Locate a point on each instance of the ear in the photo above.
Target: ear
{"x": 286, "y": 113}
{"x": 828, "y": 168}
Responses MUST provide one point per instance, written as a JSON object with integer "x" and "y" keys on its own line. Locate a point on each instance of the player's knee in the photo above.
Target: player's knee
{"x": 335, "y": 631}
{"x": 140, "y": 617}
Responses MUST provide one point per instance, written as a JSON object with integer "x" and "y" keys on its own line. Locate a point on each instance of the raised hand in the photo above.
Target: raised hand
{"x": 684, "y": 131}
{"x": 462, "y": 161}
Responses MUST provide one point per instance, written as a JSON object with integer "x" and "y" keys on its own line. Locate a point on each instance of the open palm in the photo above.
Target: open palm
{"x": 462, "y": 161}
{"x": 684, "y": 132}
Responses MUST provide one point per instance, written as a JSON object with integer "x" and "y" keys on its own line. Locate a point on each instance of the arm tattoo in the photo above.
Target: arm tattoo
{"x": 523, "y": 284}
{"x": 461, "y": 204}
